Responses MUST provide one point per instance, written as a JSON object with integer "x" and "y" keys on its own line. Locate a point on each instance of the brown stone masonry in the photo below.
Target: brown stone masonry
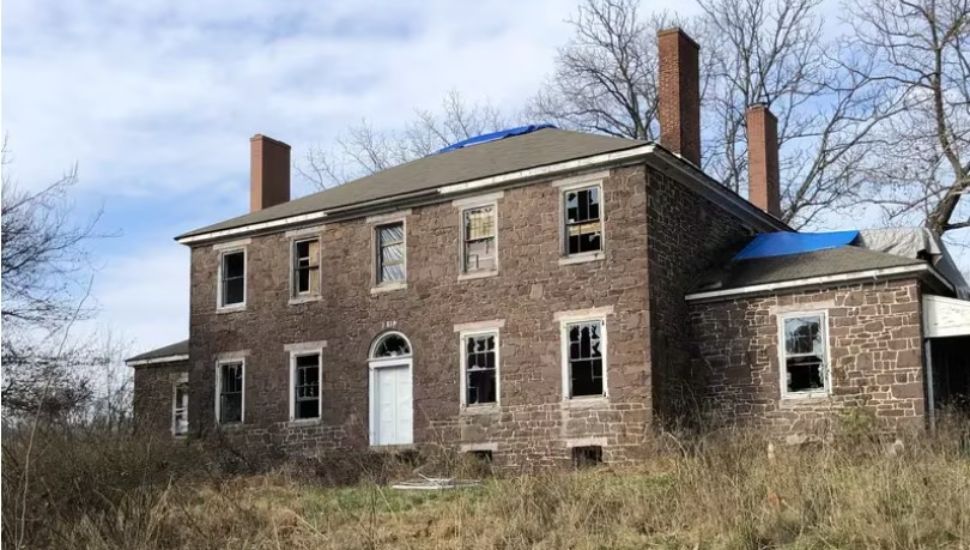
{"x": 153, "y": 394}
{"x": 875, "y": 346}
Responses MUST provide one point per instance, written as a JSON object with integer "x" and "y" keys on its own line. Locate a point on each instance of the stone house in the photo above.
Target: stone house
{"x": 538, "y": 296}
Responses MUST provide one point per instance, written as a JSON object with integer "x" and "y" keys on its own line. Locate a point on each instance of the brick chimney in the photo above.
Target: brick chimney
{"x": 269, "y": 172}
{"x": 763, "y": 175}
{"x": 680, "y": 99}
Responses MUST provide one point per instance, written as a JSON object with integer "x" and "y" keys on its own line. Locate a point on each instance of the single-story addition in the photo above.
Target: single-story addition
{"x": 540, "y": 295}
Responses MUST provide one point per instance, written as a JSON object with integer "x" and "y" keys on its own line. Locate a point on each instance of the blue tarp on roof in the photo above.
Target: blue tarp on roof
{"x": 501, "y": 134}
{"x": 783, "y": 243}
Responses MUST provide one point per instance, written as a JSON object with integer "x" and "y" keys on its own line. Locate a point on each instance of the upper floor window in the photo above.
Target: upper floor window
{"x": 390, "y": 253}
{"x": 306, "y": 267}
{"x": 583, "y": 228}
{"x": 479, "y": 250}
{"x": 305, "y": 379}
{"x": 585, "y": 343}
{"x": 180, "y": 406}
{"x": 804, "y": 356}
{"x": 230, "y": 399}
{"x": 232, "y": 279}
{"x": 480, "y": 368}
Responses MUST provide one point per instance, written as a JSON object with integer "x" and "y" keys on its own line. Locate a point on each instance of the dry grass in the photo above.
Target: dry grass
{"x": 722, "y": 491}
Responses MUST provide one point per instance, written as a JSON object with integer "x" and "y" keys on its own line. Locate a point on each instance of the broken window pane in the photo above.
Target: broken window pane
{"x": 180, "y": 408}
{"x": 585, "y": 358}
{"x": 480, "y": 369}
{"x": 307, "y": 386}
{"x": 390, "y": 254}
{"x": 804, "y": 354}
{"x": 233, "y": 278}
{"x": 307, "y": 267}
{"x": 392, "y": 345}
{"x": 583, "y": 228}
{"x": 230, "y": 392}
{"x": 479, "y": 239}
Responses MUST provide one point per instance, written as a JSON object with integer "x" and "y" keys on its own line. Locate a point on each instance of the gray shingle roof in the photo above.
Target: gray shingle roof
{"x": 178, "y": 348}
{"x": 540, "y": 148}
{"x": 776, "y": 269}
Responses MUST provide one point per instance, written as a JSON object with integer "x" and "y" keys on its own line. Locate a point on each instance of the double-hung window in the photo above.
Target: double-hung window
{"x": 803, "y": 354}
{"x": 306, "y": 385}
{"x": 582, "y": 223}
{"x": 585, "y": 350}
{"x": 479, "y": 251}
{"x": 306, "y": 267}
{"x": 180, "y": 406}
{"x": 390, "y": 253}
{"x": 229, "y": 383}
{"x": 480, "y": 360}
{"x": 232, "y": 279}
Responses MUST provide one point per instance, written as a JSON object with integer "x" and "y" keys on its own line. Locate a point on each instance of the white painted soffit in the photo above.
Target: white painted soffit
{"x": 945, "y": 317}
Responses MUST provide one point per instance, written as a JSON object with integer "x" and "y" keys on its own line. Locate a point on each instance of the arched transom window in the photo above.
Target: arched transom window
{"x": 392, "y": 344}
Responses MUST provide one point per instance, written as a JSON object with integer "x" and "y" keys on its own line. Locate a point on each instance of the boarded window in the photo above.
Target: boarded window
{"x": 480, "y": 365}
{"x": 390, "y": 253}
{"x": 180, "y": 407}
{"x": 233, "y": 278}
{"x": 306, "y": 398}
{"x": 804, "y": 354}
{"x": 306, "y": 268}
{"x": 583, "y": 230}
{"x": 230, "y": 392}
{"x": 479, "y": 239}
{"x": 585, "y": 360}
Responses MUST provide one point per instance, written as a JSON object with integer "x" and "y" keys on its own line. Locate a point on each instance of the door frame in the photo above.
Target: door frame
{"x": 373, "y": 366}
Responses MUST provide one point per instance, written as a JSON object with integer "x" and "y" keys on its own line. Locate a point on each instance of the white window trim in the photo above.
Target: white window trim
{"x": 242, "y": 413}
{"x": 464, "y": 206}
{"x": 782, "y": 365}
{"x": 297, "y": 297}
{"x": 220, "y": 307}
{"x": 182, "y": 379}
{"x": 376, "y": 284}
{"x": 565, "y": 320}
{"x": 592, "y": 180}
{"x": 296, "y": 351}
{"x": 463, "y": 382}
{"x": 375, "y": 363}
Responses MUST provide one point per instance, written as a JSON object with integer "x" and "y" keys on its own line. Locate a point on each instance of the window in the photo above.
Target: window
{"x": 584, "y": 349}
{"x": 233, "y": 279}
{"x": 585, "y": 457}
{"x": 390, "y": 253}
{"x": 306, "y": 386}
{"x": 306, "y": 267}
{"x": 391, "y": 345}
{"x": 480, "y": 368}
{"x": 582, "y": 227}
{"x": 230, "y": 399}
{"x": 180, "y": 406}
{"x": 804, "y": 354}
{"x": 478, "y": 240}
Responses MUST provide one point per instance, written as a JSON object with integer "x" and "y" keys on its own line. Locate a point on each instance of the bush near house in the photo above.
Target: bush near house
{"x": 723, "y": 490}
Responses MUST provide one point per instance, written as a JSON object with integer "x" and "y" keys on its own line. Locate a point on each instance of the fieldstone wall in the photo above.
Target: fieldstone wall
{"x": 154, "y": 385}
{"x": 875, "y": 343}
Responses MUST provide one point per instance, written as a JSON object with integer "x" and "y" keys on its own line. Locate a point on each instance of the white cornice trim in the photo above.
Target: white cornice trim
{"x": 154, "y": 360}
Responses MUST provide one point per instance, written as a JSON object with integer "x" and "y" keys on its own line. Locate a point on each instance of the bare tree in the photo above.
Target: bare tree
{"x": 921, "y": 49}
{"x": 365, "y": 149}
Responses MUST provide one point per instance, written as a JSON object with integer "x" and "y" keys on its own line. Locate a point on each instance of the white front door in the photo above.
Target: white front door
{"x": 391, "y": 408}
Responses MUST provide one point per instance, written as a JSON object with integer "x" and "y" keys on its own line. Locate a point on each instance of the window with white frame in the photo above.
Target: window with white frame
{"x": 480, "y": 365}
{"x": 390, "y": 253}
{"x": 180, "y": 406}
{"x": 479, "y": 250}
{"x": 804, "y": 354}
{"x": 232, "y": 278}
{"x": 305, "y": 379}
{"x": 585, "y": 348}
{"x": 582, "y": 224}
{"x": 306, "y": 267}
{"x": 229, "y": 381}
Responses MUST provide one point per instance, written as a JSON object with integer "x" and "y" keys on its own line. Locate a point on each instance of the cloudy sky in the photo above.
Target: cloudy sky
{"x": 155, "y": 101}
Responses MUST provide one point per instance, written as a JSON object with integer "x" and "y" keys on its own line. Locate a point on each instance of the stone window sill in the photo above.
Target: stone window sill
{"x": 393, "y": 448}
{"x": 586, "y": 401}
{"x": 230, "y": 309}
{"x": 388, "y": 287}
{"x": 477, "y": 275}
{"x": 303, "y": 299}
{"x": 582, "y": 258}
{"x": 485, "y": 408}
{"x": 231, "y": 427}
{"x": 304, "y": 421}
{"x": 796, "y": 399}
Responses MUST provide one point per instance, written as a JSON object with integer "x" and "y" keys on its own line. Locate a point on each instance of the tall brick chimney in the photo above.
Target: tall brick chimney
{"x": 763, "y": 176}
{"x": 680, "y": 96}
{"x": 269, "y": 172}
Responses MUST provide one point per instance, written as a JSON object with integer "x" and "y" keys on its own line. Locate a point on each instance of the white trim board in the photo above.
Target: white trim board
{"x": 155, "y": 360}
{"x": 943, "y": 317}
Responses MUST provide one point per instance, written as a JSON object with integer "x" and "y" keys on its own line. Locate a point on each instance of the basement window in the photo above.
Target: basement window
{"x": 804, "y": 354}
{"x": 229, "y": 381}
{"x": 180, "y": 406}
{"x": 306, "y": 386}
{"x": 232, "y": 279}
{"x": 583, "y": 230}
{"x": 480, "y": 366}
{"x": 306, "y": 267}
{"x": 479, "y": 251}
{"x": 585, "y": 347}
{"x": 586, "y": 457}
{"x": 390, "y": 253}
